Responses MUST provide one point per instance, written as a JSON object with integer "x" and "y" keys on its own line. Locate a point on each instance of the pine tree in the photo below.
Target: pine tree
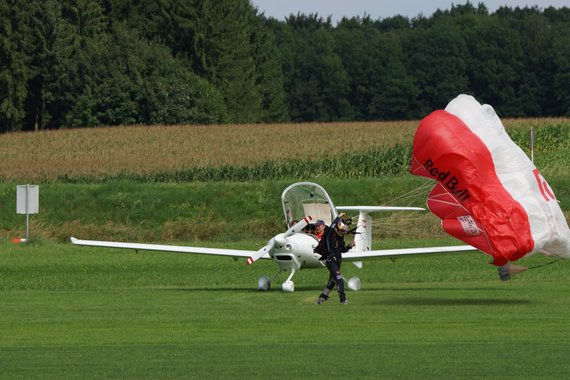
{"x": 15, "y": 46}
{"x": 269, "y": 74}
{"x": 226, "y": 56}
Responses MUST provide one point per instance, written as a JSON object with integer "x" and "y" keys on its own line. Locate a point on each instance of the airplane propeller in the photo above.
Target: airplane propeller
{"x": 261, "y": 252}
{"x": 279, "y": 239}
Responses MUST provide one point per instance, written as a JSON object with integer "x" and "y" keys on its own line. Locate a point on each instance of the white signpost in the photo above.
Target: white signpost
{"x": 27, "y": 202}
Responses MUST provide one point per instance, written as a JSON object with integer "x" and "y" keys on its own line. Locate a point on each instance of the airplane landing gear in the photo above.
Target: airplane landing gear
{"x": 288, "y": 285}
{"x": 354, "y": 283}
{"x": 264, "y": 283}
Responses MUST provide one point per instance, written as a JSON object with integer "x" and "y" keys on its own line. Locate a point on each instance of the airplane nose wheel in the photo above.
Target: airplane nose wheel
{"x": 288, "y": 285}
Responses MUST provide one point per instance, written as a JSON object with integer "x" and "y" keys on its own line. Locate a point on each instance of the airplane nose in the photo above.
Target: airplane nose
{"x": 280, "y": 240}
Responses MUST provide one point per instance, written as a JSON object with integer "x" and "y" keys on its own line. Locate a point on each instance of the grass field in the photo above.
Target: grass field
{"x": 75, "y": 312}
{"x": 70, "y": 312}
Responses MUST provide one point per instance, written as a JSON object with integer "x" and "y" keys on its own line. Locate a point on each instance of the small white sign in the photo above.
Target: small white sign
{"x": 27, "y": 199}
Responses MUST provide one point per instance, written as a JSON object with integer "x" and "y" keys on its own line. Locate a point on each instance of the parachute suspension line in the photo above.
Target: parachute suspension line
{"x": 543, "y": 265}
{"x": 413, "y": 195}
{"x": 395, "y": 223}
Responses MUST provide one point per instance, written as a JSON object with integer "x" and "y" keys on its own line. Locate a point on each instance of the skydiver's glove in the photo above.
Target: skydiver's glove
{"x": 349, "y": 246}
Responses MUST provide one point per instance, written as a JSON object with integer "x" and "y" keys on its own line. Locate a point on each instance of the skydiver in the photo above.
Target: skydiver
{"x": 332, "y": 246}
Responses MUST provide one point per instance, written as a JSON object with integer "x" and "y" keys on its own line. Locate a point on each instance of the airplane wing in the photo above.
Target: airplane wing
{"x": 168, "y": 248}
{"x": 378, "y": 208}
{"x": 360, "y": 256}
{"x": 364, "y": 229}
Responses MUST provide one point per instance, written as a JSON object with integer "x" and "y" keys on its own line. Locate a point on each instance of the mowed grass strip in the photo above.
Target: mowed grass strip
{"x": 113, "y": 314}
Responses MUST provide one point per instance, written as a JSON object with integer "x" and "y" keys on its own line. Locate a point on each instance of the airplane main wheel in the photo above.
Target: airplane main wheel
{"x": 288, "y": 286}
{"x": 264, "y": 283}
{"x": 354, "y": 283}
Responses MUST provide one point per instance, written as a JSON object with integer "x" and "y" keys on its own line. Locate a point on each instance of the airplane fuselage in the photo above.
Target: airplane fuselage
{"x": 296, "y": 252}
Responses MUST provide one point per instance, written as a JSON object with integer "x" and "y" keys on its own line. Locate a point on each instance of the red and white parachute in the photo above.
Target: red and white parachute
{"x": 488, "y": 193}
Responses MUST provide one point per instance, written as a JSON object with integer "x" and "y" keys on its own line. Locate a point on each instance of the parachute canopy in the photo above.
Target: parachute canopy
{"x": 488, "y": 193}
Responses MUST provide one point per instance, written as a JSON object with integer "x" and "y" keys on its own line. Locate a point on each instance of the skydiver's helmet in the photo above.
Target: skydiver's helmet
{"x": 341, "y": 228}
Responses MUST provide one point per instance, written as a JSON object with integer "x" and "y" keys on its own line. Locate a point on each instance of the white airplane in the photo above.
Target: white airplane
{"x": 303, "y": 204}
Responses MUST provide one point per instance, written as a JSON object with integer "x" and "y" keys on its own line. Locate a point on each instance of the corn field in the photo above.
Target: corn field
{"x": 235, "y": 152}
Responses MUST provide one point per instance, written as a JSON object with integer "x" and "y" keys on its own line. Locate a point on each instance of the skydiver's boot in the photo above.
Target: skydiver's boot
{"x": 504, "y": 273}
{"x": 323, "y": 297}
{"x": 508, "y": 270}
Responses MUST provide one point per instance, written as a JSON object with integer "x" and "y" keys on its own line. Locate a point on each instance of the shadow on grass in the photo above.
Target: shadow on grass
{"x": 212, "y": 289}
{"x": 250, "y": 289}
{"x": 452, "y": 302}
{"x": 433, "y": 289}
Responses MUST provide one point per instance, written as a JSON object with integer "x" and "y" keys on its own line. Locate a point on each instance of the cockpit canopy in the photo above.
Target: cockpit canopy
{"x": 304, "y": 199}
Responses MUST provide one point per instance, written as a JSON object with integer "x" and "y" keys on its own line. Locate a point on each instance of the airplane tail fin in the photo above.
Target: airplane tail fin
{"x": 363, "y": 233}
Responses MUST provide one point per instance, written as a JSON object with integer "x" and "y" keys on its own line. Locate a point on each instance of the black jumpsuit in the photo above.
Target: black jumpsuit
{"x": 335, "y": 247}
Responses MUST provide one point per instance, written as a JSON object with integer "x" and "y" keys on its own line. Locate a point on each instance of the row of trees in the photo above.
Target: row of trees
{"x": 113, "y": 62}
